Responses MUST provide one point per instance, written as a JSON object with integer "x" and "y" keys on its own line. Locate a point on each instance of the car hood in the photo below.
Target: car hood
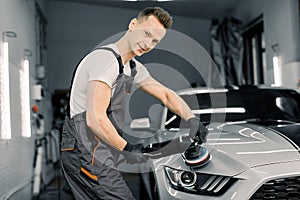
{"x": 236, "y": 147}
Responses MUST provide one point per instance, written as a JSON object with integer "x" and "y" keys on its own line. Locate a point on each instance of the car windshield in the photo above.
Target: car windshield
{"x": 242, "y": 104}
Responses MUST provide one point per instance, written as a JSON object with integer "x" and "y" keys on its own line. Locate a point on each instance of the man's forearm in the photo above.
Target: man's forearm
{"x": 105, "y": 130}
{"x": 167, "y": 96}
{"x": 177, "y": 105}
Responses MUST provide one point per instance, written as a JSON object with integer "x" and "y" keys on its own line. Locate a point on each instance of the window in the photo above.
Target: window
{"x": 254, "y": 59}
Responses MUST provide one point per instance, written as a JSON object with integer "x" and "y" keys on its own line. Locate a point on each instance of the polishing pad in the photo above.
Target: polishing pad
{"x": 197, "y": 156}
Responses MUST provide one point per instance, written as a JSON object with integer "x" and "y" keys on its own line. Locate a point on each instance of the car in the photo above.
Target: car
{"x": 253, "y": 142}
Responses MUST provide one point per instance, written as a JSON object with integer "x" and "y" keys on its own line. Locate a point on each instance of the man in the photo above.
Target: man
{"x": 92, "y": 134}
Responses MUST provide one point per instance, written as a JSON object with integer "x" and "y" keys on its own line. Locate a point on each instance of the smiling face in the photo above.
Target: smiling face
{"x": 145, "y": 34}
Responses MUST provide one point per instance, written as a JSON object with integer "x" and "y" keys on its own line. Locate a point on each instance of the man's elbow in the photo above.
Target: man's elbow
{"x": 94, "y": 122}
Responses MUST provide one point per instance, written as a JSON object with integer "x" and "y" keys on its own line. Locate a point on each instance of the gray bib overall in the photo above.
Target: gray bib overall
{"x": 88, "y": 163}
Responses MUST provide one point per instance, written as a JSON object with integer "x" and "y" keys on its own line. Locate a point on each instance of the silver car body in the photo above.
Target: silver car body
{"x": 244, "y": 157}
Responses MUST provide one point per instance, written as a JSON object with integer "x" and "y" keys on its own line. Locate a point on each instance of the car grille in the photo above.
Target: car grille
{"x": 215, "y": 185}
{"x": 211, "y": 185}
{"x": 279, "y": 189}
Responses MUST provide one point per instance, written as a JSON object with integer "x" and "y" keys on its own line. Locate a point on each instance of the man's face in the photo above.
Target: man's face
{"x": 145, "y": 35}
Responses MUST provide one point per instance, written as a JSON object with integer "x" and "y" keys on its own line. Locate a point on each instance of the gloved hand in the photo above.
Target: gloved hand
{"x": 175, "y": 146}
{"x": 198, "y": 131}
{"x": 133, "y": 153}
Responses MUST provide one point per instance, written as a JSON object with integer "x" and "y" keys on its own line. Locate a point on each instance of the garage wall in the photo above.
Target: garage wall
{"x": 281, "y": 26}
{"x": 17, "y": 154}
{"x": 73, "y": 33}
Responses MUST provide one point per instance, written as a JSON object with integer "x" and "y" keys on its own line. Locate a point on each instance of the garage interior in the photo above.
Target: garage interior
{"x": 43, "y": 40}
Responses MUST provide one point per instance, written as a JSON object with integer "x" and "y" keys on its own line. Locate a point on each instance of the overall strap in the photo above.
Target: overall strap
{"x": 133, "y": 68}
{"x": 118, "y": 57}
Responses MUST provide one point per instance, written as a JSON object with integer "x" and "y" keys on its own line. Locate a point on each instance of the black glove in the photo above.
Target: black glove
{"x": 175, "y": 146}
{"x": 133, "y": 153}
{"x": 198, "y": 131}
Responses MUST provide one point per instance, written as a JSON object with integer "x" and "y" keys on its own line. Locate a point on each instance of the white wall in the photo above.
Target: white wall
{"x": 17, "y": 154}
{"x": 281, "y": 26}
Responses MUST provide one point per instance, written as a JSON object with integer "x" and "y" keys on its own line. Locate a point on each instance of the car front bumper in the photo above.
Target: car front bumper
{"x": 246, "y": 184}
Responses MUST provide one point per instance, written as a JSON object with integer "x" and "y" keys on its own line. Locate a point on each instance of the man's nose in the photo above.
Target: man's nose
{"x": 149, "y": 44}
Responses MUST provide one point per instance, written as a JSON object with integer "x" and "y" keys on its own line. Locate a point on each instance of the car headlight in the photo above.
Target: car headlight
{"x": 179, "y": 178}
{"x": 198, "y": 183}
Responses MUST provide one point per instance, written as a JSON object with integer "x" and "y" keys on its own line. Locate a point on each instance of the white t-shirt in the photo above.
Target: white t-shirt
{"x": 100, "y": 65}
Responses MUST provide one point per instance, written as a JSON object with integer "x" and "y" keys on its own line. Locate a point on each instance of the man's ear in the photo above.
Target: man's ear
{"x": 132, "y": 23}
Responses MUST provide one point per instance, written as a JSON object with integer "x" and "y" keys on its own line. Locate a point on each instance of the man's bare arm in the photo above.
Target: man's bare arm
{"x": 167, "y": 96}
{"x": 98, "y": 99}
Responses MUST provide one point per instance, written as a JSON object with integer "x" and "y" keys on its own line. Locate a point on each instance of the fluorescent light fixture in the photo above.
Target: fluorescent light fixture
{"x": 220, "y": 110}
{"x": 147, "y": 0}
{"x": 5, "y": 119}
{"x": 5, "y": 96}
{"x": 276, "y": 66}
{"x": 170, "y": 120}
{"x": 277, "y": 72}
{"x": 202, "y": 91}
{"x": 25, "y": 95}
